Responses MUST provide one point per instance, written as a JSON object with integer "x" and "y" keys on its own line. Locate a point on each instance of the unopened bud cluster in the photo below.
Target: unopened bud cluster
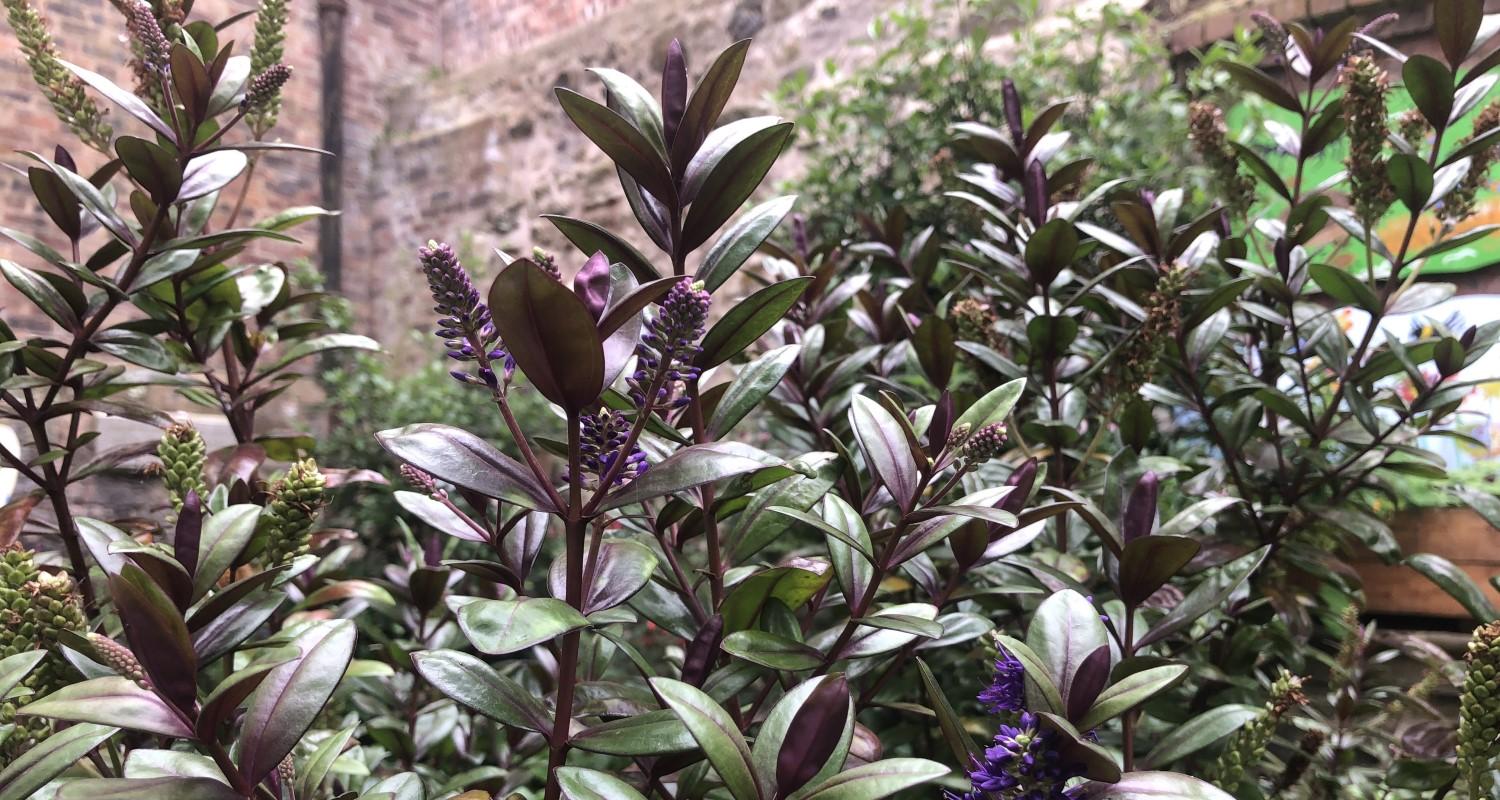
{"x": 1365, "y": 88}
{"x": 1460, "y": 203}
{"x": 145, "y": 32}
{"x": 547, "y": 262}
{"x": 35, "y": 608}
{"x": 1209, "y": 136}
{"x": 974, "y": 321}
{"x": 1247, "y": 746}
{"x": 668, "y": 345}
{"x": 1138, "y": 357}
{"x": 985, "y": 444}
{"x": 1479, "y": 711}
{"x": 182, "y": 453}
{"x": 63, "y": 90}
{"x": 265, "y": 87}
{"x": 118, "y": 657}
{"x": 287, "y": 522}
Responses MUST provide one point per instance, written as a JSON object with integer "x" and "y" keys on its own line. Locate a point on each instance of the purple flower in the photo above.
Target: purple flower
{"x": 1022, "y": 763}
{"x": 1007, "y": 691}
{"x": 668, "y": 344}
{"x": 601, "y": 444}
{"x": 465, "y": 325}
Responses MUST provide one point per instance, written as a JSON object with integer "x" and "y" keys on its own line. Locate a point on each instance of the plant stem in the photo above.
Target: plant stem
{"x": 567, "y": 665}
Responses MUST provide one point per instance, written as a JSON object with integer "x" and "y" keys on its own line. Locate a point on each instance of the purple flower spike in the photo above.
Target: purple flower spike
{"x": 1007, "y": 691}
{"x": 465, "y": 325}
{"x": 1022, "y": 763}
{"x": 669, "y": 344}
{"x": 601, "y": 443}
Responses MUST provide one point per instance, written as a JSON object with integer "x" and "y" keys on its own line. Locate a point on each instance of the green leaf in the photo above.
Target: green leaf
{"x": 1206, "y": 596}
{"x": 1131, "y": 691}
{"x": 1412, "y": 180}
{"x": 1051, "y": 249}
{"x": 92, "y": 199}
{"x": 113, "y": 701}
{"x": 889, "y": 635}
{"x": 1151, "y": 786}
{"x": 761, "y": 522}
{"x": 323, "y": 344}
{"x": 1343, "y": 287}
{"x": 994, "y": 406}
{"x": 496, "y": 627}
{"x": 132, "y": 105}
{"x": 790, "y": 586}
{"x": 1064, "y": 630}
{"x": 886, "y": 449}
{"x": 147, "y": 789}
{"x": 1148, "y": 563}
{"x": 41, "y": 293}
{"x": 473, "y": 683}
{"x": 230, "y": 694}
{"x": 691, "y": 467}
{"x": 874, "y": 781}
{"x": 1452, "y": 579}
{"x": 210, "y": 172}
{"x": 287, "y": 702}
{"x": 1191, "y": 518}
{"x": 1262, "y": 84}
{"x": 635, "y": 104}
{"x": 754, "y": 382}
{"x": 620, "y": 140}
{"x": 715, "y": 732}
{"x": 225, "y": 536}
{"x": 1430, "y": 85}
{"x": 578, "y": 783}
{"x": 590, "y": 238}
{"x": 707, "y": 103}
{"x": 621, "y": 568}
{"x": 747, "y": 320}
{"x": 314, "y": 770}
{"x": 464, "y": 459}
{"x": 1369, "y": 529}
{"x": 23, "y": 777}
{"x": 1204, "y": 730}
{"x": 653, "y": 733}
{"x": 14, "y": 669}
{"x": 732, "y": 180}
{"x": 149, "y": 763}
{"x": 772, "y": 651}
{"x": 965, "y": 751}
{"x": 550, "y": 333}
{"x": 740, "y": 241}
{"x": 852, "y": 552}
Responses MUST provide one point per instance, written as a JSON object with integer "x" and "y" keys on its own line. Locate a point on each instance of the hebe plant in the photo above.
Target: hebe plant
{"x": 964, "y": 491}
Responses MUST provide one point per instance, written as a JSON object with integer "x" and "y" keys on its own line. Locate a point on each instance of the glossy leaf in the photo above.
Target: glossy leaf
{"x": 550, "y": 333}
{"x": 589, "y": 238}
{"x": 287, "y": 702}
{"x": 1151, "y": 786}
{"x": 732, "y": 180}
{"x": 497, "y": 627}
{"x": 874, "y": 781}
{"x": 772, "y": 651}
{"x": 994, "y": 406}
{"x": 691, "y": 467}
{"x": 132, "y": 105}
{"x": 621, "y": 141}
{"x": 1064, "y": 630}
{"x": 158, "y": 636}
{"x": 792, "y": 728}
{"x": 1131, "y": 691}
{"x": 224, "y": 537}
{"x": 749, "y": 319}
{"x": 23, "y": 777}
{"x": 1149, "y": 562}
{"x": 622, "y": 568}
{"x": 707, "y": 103}
{"x": 653, "y": 733}
{"x": 885, "y": 447}
{"x": 170, "y": 788}
{"x": 1457, "y": 583}
{"x": 113, "y": 701}
{"x": 1204, "y": 730}
{"x": 715, "y": 732}
{"x": 754, "y": 382}
{"x": 463, "y": 459}
{"x": 737, "y": 244}
{"x": 578, "y": 783}
{"x": 473, "y": 683}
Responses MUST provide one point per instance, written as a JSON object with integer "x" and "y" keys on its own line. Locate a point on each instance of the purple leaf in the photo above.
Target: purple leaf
{"x": 1011, "y": 99}
{"x": 592, "y": 284}
{"x": 813, "y": 735}
{"x": 189, "y": 532}
{"x": 290, "y": 698}
{"x": 1140, "y": 509}
{"x": 550, "y": 333}
{"x": 158, "y": 636}
{"x": 674, "y": 89}
{"x": 703, "y": 651}
{"x": 1088, "y": 682}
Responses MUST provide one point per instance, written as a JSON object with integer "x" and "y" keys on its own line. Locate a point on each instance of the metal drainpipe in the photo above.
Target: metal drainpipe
{"x": 331, "y": 16}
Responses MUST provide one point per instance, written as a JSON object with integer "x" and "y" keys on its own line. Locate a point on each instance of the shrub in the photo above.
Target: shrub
{"x": 1076, "y": 482}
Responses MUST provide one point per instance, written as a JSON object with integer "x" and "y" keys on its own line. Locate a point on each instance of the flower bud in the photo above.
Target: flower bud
{"x": 146, "y": 31}
{"x": 266, "y": 87}
{"x": 985, "y": 444}
{"x": 118, "y": 657}
{"x": 182, "y": 452}
{"x": 287, "y": 522}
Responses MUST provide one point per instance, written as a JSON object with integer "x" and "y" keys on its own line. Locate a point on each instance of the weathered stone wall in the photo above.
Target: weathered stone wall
{"x": 474, "y": 154}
